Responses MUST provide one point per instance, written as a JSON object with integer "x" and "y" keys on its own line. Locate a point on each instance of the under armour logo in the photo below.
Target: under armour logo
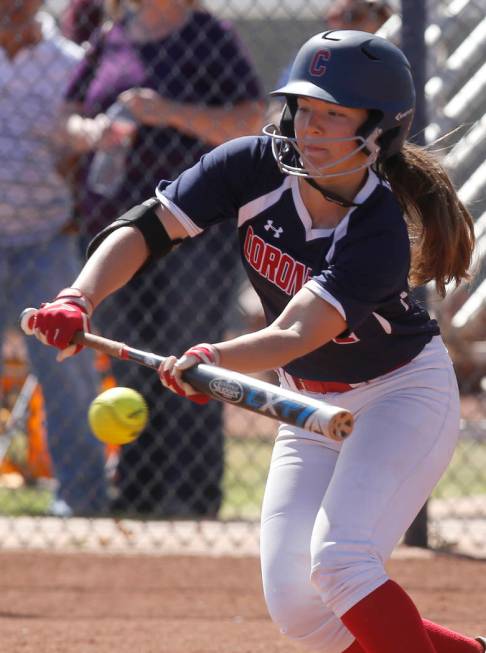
{"x": 276, "y": 230}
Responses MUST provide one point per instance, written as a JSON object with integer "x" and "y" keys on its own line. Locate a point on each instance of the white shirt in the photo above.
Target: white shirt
{"x": 35, "y": 201}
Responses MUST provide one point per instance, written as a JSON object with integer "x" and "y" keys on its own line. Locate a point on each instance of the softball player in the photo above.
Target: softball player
{"x": 337, "y": 215}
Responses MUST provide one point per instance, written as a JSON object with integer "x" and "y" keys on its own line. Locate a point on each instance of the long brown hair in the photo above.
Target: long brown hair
{"x": 441, "y": 228}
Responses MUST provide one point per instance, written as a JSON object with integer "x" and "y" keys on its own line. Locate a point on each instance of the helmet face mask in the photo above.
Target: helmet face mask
{"x": 291, "y": 160}
{"x": 352, "y": 69}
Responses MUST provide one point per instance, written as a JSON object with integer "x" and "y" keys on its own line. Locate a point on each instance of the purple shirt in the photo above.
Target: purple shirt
{"x": 203, "y": 62}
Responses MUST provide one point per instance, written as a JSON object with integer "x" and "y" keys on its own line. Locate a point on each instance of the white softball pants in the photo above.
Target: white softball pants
{"x": 332, "y": 513}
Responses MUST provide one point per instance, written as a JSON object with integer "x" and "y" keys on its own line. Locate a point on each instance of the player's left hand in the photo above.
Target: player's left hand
{"x": 171, "y": 370}
{"x": 56, "y": 322}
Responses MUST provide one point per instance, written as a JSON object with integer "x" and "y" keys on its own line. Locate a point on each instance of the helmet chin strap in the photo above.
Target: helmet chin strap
{"x": 329, "y": 195}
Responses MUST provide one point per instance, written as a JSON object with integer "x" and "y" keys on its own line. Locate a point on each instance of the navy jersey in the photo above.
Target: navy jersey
{"x": 360, "y": 267}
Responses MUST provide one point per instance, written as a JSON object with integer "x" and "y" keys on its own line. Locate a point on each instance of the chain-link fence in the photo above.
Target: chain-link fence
{"x": 87, "y": 131}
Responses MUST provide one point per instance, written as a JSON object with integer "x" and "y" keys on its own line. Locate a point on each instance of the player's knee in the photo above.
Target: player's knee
{"x": 301, "y": 616}
{"x": 288, "y": 604}
{"x": 344, "y": 572}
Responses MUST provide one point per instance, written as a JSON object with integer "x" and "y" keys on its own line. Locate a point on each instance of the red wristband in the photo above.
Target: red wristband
{"x": 76, "y": 296}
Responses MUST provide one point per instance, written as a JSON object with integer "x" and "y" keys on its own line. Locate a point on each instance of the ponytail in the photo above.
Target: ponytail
{"x": 441, "y": 229}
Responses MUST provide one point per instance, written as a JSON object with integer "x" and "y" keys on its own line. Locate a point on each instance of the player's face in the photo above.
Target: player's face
{"x": 317, "y": 124}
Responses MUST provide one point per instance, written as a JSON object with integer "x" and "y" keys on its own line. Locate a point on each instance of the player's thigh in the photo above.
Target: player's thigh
{"x": 300, "y": 472}
{"x": 299, "y": 475}
{"x": 402, "y": 443}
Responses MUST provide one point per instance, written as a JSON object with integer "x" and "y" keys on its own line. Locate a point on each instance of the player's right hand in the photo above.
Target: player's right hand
{"x": 56, "y": 322}
{"x": 170, "y": 371}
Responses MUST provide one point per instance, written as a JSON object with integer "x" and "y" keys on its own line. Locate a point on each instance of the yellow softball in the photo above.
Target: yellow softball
{"x": 118, "y": 415}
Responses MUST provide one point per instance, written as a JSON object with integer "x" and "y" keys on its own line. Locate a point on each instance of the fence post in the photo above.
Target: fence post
{"x": 414, "y": 21}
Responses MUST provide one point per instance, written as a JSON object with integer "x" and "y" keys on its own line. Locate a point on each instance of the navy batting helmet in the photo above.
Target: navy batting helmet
{"x": 352, "y": 69}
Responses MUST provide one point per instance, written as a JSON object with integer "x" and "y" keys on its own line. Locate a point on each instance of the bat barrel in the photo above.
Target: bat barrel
{"x": 267, "y": 399}
{"x": 338, "y": 427}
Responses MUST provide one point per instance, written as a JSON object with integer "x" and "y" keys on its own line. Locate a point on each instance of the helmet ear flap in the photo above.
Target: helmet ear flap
{"x": 383, "y": 140}
{"x": 287, "y": 118}
{"x": 368, "y": 131}
{"x": 367, "y": 128}
{"x": 386, "y": 139}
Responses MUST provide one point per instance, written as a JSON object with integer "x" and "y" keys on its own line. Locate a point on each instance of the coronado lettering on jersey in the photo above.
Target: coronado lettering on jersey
{"x": 271, "y": 263}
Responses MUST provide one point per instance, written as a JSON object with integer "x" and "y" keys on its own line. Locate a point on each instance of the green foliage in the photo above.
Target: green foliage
{"x": 465, "y": 475}
{"x": 247, "y": 461}
{"x": 24, "y": 500}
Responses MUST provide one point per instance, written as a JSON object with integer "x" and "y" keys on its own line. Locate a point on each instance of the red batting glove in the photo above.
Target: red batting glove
{"x": 56, "y": 322}
{"x": 170, "y": 371}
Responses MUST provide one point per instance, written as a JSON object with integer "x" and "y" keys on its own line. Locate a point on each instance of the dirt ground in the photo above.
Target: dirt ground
{"x": 90, "y": 603}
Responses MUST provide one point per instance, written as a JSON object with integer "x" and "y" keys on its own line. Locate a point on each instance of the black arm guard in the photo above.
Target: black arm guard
{"x": 144, "y": 218}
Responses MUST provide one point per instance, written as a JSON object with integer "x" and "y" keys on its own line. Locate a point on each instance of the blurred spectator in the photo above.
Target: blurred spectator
{"x": 364, "y": 15}
{"x": 80, "y": 18}
{"x": 189, "y": 85}
{"x": 37, "y": 247}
